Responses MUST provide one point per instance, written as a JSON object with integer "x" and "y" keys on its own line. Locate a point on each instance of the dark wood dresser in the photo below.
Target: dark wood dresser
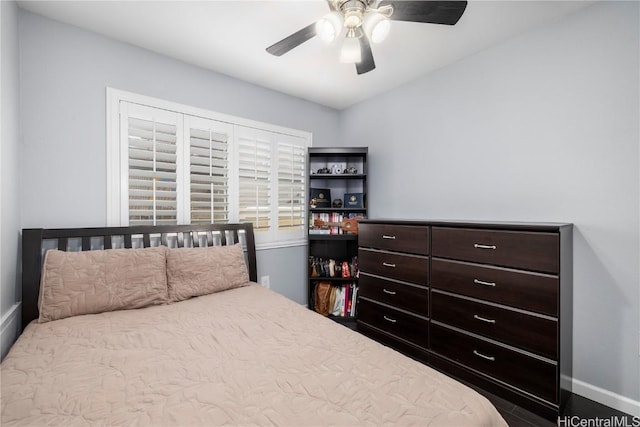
{"x": 490, "y": 303}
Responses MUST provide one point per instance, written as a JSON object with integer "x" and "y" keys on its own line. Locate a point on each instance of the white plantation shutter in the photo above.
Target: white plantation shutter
{"x": 292, "y": 153}
{"x": 254, "y": 177}
{"x": 173, "y": 164}
{"x": 151, "y": 166}
{"x": 208, "y": 174}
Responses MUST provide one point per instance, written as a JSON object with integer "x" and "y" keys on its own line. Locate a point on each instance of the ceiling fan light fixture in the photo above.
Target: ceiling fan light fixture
{"x": 329, "y": 26}
{"x": 376, "y": 26}
{"x": 352, "y": 19}
{"x": 350, "y": 52}
{"x": 353, "y": 11}
{"x": 368, "y": 21}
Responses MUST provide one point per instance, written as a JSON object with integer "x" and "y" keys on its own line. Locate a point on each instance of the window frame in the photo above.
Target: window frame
{"x": 117, "y": 182}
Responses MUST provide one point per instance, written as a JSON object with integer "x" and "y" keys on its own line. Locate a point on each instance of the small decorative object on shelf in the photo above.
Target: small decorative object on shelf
{"x": 350, "y": 170}
{"x": 346, "y": 270}
{"x": 321, "y": 267}
{"x": 333, "y": 229}
{"x": 325, "y": 297}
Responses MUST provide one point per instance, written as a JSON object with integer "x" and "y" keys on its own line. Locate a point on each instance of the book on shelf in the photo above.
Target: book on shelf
{"x": 354, "y": 299}
{"x": 345, "y": 304}
{"x": 319, "y": 230}
{"x": 339, "y": 301}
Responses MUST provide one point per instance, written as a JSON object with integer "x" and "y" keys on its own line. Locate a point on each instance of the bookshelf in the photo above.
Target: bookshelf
{"x": 337, "y": 189}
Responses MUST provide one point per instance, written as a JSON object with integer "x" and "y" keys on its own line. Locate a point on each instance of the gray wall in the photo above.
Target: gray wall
{"x": 65, "y": 71}
{"x": 9, "y": 176}
{"x": 543, "y": 127}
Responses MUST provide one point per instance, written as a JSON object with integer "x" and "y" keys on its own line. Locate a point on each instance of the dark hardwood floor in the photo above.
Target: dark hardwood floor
{"x": 577, "y": 411}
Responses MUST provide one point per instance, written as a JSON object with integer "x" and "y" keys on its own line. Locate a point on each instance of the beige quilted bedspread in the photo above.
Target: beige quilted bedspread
{"x": 246, "y": 356}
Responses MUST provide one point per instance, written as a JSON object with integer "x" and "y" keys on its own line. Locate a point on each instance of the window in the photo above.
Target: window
{"x": 208, "y": 173}
{"x": 254, "y": 173}
{"x": 174, "y": 164}
{"x": 291, "y": 184}
{"x": 151, "y": 165}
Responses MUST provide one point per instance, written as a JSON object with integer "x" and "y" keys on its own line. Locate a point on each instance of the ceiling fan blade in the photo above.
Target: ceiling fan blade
{"x": 366, "y": 63}
{"x": 332, "y": 5}
{"x": 294, "y": 40}
{"x": 431, "y": 12}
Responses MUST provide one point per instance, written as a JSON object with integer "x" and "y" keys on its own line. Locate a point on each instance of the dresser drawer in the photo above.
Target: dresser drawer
{"x": 521, "y": 371}
{"x": 518, "y": 249}
{"x": 529, "y": 291}
{"x": 395, "y": 322}
{"x": 409, "y": 268}
{"x": 535, "y": 334}
{"x": 402, "y": 238}
{"x": 408, "y": 297}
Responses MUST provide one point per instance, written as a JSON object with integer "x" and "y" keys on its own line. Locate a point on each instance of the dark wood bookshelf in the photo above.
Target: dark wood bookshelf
{"x": 344, "y": 246}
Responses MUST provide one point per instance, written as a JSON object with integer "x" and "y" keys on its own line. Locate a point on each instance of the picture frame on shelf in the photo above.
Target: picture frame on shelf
{"x": 319, "y": 198}
{"x": 353, "y": 200}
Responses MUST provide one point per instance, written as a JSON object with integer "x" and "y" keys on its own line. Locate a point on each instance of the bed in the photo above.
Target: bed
{"x": 240, "y": 356}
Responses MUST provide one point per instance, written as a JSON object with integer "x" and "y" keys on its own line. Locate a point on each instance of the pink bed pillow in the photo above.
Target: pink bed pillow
{"x": 193, "y": 272}
{"x": 89, "y": 282}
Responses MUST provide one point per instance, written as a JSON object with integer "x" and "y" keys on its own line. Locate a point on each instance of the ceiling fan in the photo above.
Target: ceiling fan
{"x": 360, "y": 21}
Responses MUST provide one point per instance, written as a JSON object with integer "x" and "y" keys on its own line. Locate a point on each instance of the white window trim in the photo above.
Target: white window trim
{"x": 114, "y": 164}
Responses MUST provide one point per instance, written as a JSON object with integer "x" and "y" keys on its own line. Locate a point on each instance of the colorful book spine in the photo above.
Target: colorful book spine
{"x": 354, "y": 299}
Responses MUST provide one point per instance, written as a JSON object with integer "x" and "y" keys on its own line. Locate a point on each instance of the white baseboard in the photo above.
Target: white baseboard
{"x": 606, "y": 397}
{"x": 9, "y": 328}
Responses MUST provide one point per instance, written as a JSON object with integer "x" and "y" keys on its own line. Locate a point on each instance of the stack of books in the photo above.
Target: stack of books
{"x": 329, "y": 223}
{"x": 346, "y": 298}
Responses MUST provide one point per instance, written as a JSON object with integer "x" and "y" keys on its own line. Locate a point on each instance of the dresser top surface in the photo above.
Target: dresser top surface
{"x": 498, "y": 225}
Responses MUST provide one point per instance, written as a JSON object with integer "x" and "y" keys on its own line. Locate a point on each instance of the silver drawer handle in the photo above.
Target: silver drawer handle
{"x": 479, "y": 246}
{"x": 386, "y": 291}
{"x": 489, "y": 358}
{"x": 385, "y": 236}
{"x": 482, "y": 282}
{"x": 484, "y": 319}
{"x": 386, "y": 264}
{"x": 389, "y": 319}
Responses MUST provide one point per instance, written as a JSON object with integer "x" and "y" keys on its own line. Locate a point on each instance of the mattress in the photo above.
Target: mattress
{"x": 246, "y": 356}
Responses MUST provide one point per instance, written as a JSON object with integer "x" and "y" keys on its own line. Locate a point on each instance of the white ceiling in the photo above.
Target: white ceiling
{"x": 230, "y": 37}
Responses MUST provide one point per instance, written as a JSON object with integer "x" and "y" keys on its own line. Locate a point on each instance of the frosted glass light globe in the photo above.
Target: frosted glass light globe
{"x": 328, "y": 27}
{"x": 350, "y": 52}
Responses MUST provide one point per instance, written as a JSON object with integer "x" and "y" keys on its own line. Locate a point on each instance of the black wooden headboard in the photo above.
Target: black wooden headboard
{"x": 36, "y": 241}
